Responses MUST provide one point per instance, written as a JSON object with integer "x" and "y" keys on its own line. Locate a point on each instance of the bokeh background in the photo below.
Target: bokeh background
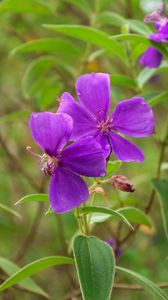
{"x": 32, "y": 79}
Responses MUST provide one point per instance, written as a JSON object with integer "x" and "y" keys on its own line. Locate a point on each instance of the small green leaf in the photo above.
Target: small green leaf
{"x": 10, "y": 210}
{"x": 22, "y": 6}
{"x": 35, "y": 73}
{"x": 33, "y": 197}
{"x": 135, "y": 215}
{"x": 112, "y": 167}
{"x": 10, "y": 268}
{"x": 155, "y": 100}
{"x": 123, "y": 80}
{"x": 131, "y": 37}
{"x": 34, "y": 268}
{"x": 48, "y": 45}
{"x": 144, "y": 76}
{"x": 91, "y": 36}
{"x": 162, "y": 188}
{"x": 108, "y": 211}
{"x": 144, "y": 282}
{"x": 109, "y": 18}
{"x": 95, "y": 264}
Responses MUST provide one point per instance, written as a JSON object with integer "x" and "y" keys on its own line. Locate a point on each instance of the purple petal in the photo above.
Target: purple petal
{"x": 67, "y": 191}
{"x": 125, "y": 150}
{"x": 51, "y": 131}
{"x": 93, "y": 91}
{"x": 151, "y": 58}
{"x": 85, "y": 157}
{"x": 83, "y": 122}
{"x": 103, "y": 140}
{"x": 157, "y": 37}
{"x": 133, "y": 117}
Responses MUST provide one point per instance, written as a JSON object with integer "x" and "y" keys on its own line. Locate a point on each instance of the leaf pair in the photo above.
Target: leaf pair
{"x": 95, "y": 264}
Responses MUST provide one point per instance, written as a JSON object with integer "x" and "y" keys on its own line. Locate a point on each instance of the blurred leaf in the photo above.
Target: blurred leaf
{"x": 10, "y": 210}
{"x": 135, "y": 215}
{"x": 33, "y": 77}
{"x": 83, "y": 5}
{"x": 108, "y": 211}
{"x": 10, "y": 268}
{"x": 131, "y": 37}
{"x": 23, "y": 6}
{"x": 107, "y": 17}
{"x": 144, "y": 282}
{"x": 95, "y": 263}
{"x": 117, "y": 20}
{"x": 123, "y": 80}
{"x": 144, "y": 76}
{"x": 112, "y": 167}
{"x": 90, "y": 35}
{"x": 33, "y": 197}
{"x": 48, "y": 93}
{"x": 34, "y": 267}
{"x": 158, "y": 99}
{"x": 14, "y": 116}
{"x": 48, "y": 45}
{"x": 162, "y": 188}
{"x": 139, "y": 27}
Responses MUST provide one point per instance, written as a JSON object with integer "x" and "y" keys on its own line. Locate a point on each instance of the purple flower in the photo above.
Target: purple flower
{"x": 132, "y": 117}
{"x": 85, "y": 157}
{"x": 152, "y": 58}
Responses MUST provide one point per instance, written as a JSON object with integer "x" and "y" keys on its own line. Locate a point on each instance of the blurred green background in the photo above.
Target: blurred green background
{"x": 31, "y": 79}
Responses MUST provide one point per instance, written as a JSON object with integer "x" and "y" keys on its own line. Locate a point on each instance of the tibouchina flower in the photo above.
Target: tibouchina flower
{"x": 91, "y": 116}
{"x": 85, "y": 157}
{"x": 152, "y": 58}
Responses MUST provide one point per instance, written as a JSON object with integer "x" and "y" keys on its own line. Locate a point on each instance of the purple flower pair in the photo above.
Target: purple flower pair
{"x": 96, "y": 134}
{"x": 152, "y": 58}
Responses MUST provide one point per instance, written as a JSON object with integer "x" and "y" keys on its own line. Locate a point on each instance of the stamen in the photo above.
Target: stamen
{"x": 28, "y": 148}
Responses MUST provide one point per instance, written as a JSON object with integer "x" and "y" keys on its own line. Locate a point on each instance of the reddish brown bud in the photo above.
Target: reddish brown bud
{"x": 122, "y": 183}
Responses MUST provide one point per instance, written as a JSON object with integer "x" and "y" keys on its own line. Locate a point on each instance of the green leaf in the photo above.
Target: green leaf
{"x": 123, "y": 80}
{"x": 48, "y": 45}
{"x": 117, "y": 20}
{"x": 162, "y": 188}
{"x": 35, "y": 73}
{"x": 83, "y": 5}
{"x": 95, "y": 264}
{"x": 10, "y": 268}
{"x": 22, "y": 6}
{"x": 134, "y": 215}
{"x": 91, "y": 36}
{"x": 144, "y": 76}
{"x": 112, "y": 167}
{"x": 139, "y": 27}
{"x": 155, "y": 100}
{"x": 144, "y": 282}
{"x": 10, "y": 210}
{"x": 108, "y": 211}
{"x": 35, "y": 267}
{"x": 33, "y": 197}
{"x": 131, "y": 37}
{"x": 99, "y": 218}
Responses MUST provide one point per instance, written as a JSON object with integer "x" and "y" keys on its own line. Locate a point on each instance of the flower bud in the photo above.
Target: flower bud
{"x": 122, "y": 183}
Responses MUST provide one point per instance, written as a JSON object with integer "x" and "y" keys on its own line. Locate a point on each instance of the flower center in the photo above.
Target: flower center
{"x": 47, "y": 162}
{"x": 105, "y": 125}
